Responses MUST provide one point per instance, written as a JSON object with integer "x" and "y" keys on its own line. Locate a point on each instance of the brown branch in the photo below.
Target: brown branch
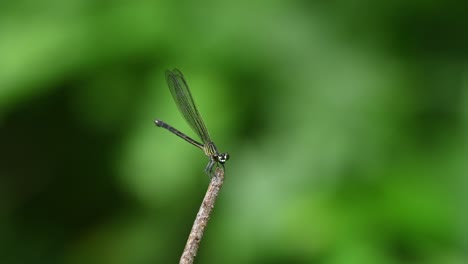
{"x": 193, "y": 242}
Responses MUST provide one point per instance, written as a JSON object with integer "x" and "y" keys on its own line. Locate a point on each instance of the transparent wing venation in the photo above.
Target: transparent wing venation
{"x": 183, "y": 98}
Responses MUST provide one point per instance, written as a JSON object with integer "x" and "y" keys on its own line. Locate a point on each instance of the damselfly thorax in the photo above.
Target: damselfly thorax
{"x": 210, "y": 149}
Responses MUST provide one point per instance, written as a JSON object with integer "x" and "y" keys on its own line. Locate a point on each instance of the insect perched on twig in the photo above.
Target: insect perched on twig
{"x": 183, "y": 98}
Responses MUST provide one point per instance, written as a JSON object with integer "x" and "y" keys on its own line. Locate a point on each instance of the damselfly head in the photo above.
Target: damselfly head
{"x": 223, "y": 157}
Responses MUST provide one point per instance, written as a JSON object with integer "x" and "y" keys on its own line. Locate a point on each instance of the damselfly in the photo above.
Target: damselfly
{"x": 183, "y": 98}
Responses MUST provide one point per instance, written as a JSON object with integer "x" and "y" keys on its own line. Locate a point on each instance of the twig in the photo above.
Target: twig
{"x": 196, "y": 234}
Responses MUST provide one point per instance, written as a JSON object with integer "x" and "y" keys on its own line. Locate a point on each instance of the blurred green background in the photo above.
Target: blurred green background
{"x": 346, "y": 122}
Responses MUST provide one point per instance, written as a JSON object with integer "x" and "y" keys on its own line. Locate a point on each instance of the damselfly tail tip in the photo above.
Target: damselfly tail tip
{"x": 157, "y": 122}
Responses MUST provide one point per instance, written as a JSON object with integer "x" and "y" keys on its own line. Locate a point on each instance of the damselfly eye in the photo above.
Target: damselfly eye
{"x": 223, "y": 157}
